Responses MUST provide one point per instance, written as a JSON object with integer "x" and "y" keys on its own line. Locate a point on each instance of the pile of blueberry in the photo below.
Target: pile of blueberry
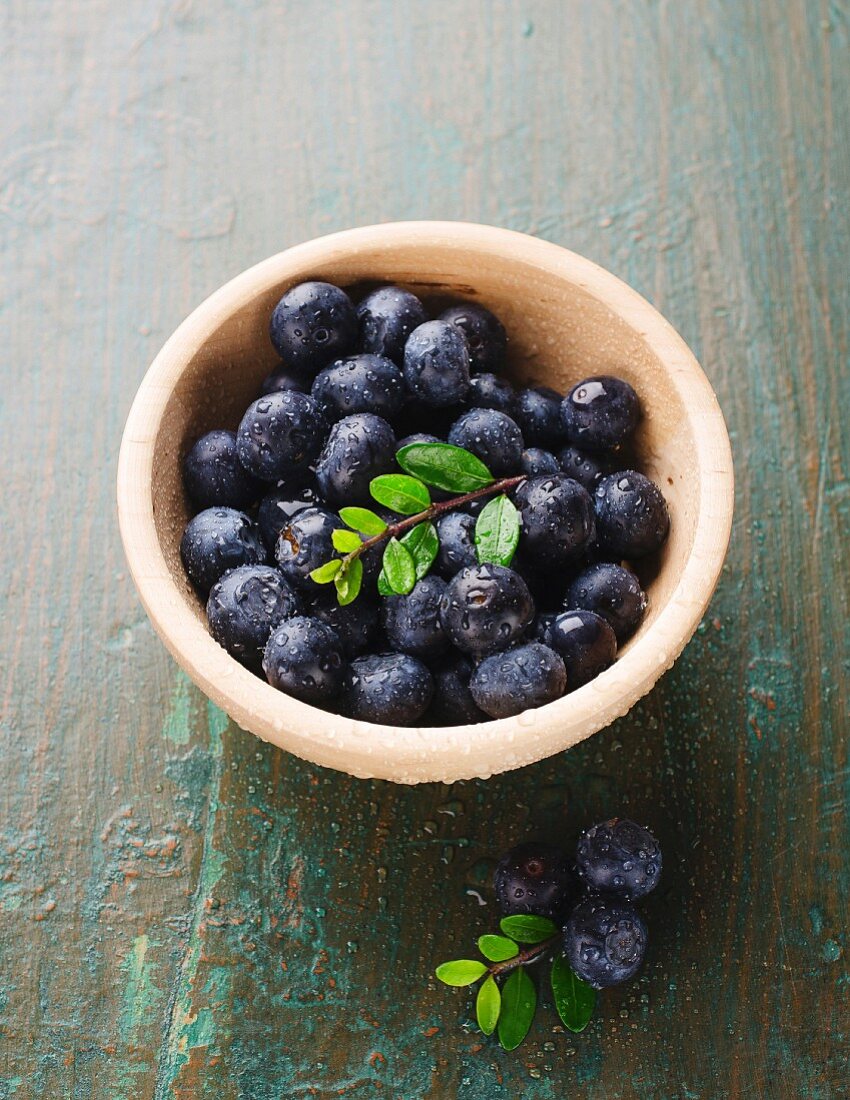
{"x": 472, "y": 640}
{"x": 617, "y": 863}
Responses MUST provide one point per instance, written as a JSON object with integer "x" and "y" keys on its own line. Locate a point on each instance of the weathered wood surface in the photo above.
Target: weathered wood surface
{"x": 186, "y": 912}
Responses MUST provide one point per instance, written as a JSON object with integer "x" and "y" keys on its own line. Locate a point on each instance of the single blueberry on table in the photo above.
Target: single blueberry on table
{"x": 631, "y": 515}
{"x": 619, "y": 857}
{"x": 390, "y": 688}
{"x": 586, "y": 643}
{"x": 538, "y": 413}
{"x": 604, "y": 941}
{"x": 453, "y": 704}
{"x": 359, "y": 383}
{"x": 535, "y": 461}
{"x": 456, "y": 533}
{"x": 526, "y": 676}
{"x": 436, "y": 364}
{"x": 535, "y": 878}
{"x": 216, "y": 540}
{"x": 355, "y": 624}
{"x": 613, "y": 592}
{"x": 489, "y": 391}
{"x": 213, "y": 474}
{"x": 280, "y": 433}
{"x": 583, "y": 466}
{"x": 412, "y": 622}
{"x": 245, "y": 606}
{"x": 313, "y": 324}
{"x": 557, "y": 520}
{"x": 491, "y": 435}
{"x": 359, "y": 448}
{"x": 305, "y": 543}
{"x": 304, "y": 658}
{"x": 286, "y": 378}
{"x": 387, "y": 317}
{"x": 485, "y": 608}
{"x": 600, "y": 413}
{"x": 484, "y": 332}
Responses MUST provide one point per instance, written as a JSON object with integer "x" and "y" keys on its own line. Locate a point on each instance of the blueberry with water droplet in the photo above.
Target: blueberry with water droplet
{"x": 583, "y": 466}
{"x": 619, "y": 857}
{"x": 359, "y": 383}
{"x": 304, "y": 658}
{"x": 313, "y": 324}
{"x": 453, "y": 704}
{"x": 213, "y": 474}
{"x": 519, "y": 679}
{"x": 485, "y": 607}
{"x": 216, "y": 540}
{"x": 279, "y": 434}
{"x": 290, "y": 496}
{"x": 356, "y": 624}
{"x": 456, "y": 534}
{"x": 535, "y": 878}
{"x": 557, "y": 521}
{"x": 359, "y": 448}
{"x": 287, "y": 378}
{"x": 611, "y": 591}
{"x": 631, "y": 514}
{"x": 416, "y": 437}
{"x": 535, "y": 461}
{"x": 491, "y": 435}
{"x": 387, "y": 317}
{"x": 605, "y": 941}
{"x": 436, "y": 364}
{"x": 484, "y": 332}
{"x": 538, "y": 413}
{"x": 305, "y": 543}
{"x": 600, "y": 413}
{"x": 489, "y": 391}
{"x": 390, "y": 688}
{"x": 412, "y": 622}
{"x": 244, "y": 607}
{"x": 586, "y": 642}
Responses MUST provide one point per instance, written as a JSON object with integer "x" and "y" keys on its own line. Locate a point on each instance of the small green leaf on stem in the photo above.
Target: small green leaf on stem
{"x": 399, "y": 568}
{"x": 519, "y": 1000}
{"x": 487, "y": 1006}
{"x": 525, "y": 928}
{"x": 460, "y": 972}
{"x": 497, "y": 948}
{"x": 422, "y": 544}
{"x": 497, "y": 531}
{"x": 348, "y": 581}
{"x": 384, "y": 588}
{"x": 445, "y": 467}
{"x": 363, "y": 520}
{"x": 324, "y": 574}
{"x": 574, "y": 999}
{"x": 403, "y": 494}
{"x": 345, "y": 541}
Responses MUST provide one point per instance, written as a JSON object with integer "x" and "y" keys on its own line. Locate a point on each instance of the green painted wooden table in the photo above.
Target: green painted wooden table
{"x": 189, "y": 913}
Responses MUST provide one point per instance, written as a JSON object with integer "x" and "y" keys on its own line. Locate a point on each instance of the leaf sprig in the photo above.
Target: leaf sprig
{"x": 509, "y": 1009}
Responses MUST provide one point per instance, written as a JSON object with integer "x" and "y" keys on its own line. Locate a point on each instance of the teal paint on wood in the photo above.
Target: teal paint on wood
{"x": 186, "y": 911}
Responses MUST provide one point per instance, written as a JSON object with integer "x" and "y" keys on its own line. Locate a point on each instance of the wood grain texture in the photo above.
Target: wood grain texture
{"x": 186, "y": 912}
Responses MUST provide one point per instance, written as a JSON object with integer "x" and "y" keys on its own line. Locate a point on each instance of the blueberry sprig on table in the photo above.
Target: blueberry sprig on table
{"x": 394, "y": 532}
{"x": 579, "y": 915}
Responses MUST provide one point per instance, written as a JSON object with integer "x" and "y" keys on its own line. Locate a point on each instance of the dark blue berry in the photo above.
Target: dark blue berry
{"x": 586, "y": 643}
{"x": 489, "y": 391}
{"x": 557, "y": 520}
{"x": 359, "y": 448}
{"x": 456, "y": 532}
{"x": 304, "y": 658}
{"x": 290, "y": 496}
{"x": 453, "y": 704}
{"x": 213, "y": 474}
{"x": 604, "y": 941}
{"x": 280, "y": 433}
{"x": 412, "y": 622}
{"x": 388, "y": 688}
{"x": 216, "y": 540}
{"x": 436, "y": 364}
{"x": 542, "y": 621}
{"x": 305, "y": 543}
{"x": 619, "y": 857}
{"x": 287, "y": 378}
{"x": 612, "y": 592}
{"x": 485, "y": 607}
{"x": 485, "y": 334}
{"x": 538, "y": 413}
{"x": 359, "y": 383}
{"x": 387, "y": 317}
{"x": 416, "y": 437}
{"x": 535, "y": 461}
{"x": 519, "y": 679}
{"x": 245, "y": 606}
{"x": 600, "y": 413}
{"x": 631, "y": 515}
{"x": 535, "y": 878}
{"x": 491, "y": 435}
{"x": 313, "y": 324}
{"x": 582, "y": 466}
{"x": 355, "y": 624}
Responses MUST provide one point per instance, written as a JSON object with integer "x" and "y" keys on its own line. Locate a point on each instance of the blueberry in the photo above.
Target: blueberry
{"x": 387, "y": 317}
{"x": 485, "y": 607}
{"x": 245, "y": 606}
{"x": 535, "y": 878}
{"x": 582, "y": 466}
{"x": 586, "y": 643}
{"x": 542, "y": 621}
{"x": 390, "y": 688}
{"x": 280, "y": 433}
{"x": 216, "y": 540}
{"x": 535, "y": 461}
{"x": 305, "y": 543}
{"x": 519, "y": 679}
{"x": 359, "y": 447}
{"x": 359, "y": 383}
{"x": 538, "y": 413}
{"x": 304, "y": 658}
{"x": 286, "y": 378}
{"x": 213, "y": 474}
{"x": 484, "y": 332}
{"x": 412, "y": 622}
{"x": 604, "y": 941}
{"x": 456, "y": 532}
{"x": 619, "y": 857}
{"x": 355, "y": 624}
{"x": 453, "y": 704}
{"x": 416, "y": 437}
{"x": 612, "y": 592}
{"x": 557, "y": 520}
{"x": 436, "y": 364}
{"x": 491, "y": 435}
{"x": 631, "y": 514}
{"x": 489, "y": 391}
{"x": 600, "y": 413}
{"x": 290, "y": 496}
{"x": 313, "y": 324}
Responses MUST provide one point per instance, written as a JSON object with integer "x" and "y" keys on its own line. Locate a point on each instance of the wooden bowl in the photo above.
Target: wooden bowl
{"x": 566, "y": 319}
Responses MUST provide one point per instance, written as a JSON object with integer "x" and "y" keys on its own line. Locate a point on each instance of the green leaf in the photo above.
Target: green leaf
{"x": 497, "y": 531}
{"x": 574, "y": 999}
{"x": 519, "y": 1000}
{"x": 403, "y": 494}
{"x": 445, "y": 467}
{"x": 460, "y": 971}
{"x": 326, "y": 573}
{"x": 345, "y": 541}
{"x": 497, "y": 948}
{"x": 348, "y": 581}
{"x": 487, "y": 1005}
{"x": 525, "y": 928}
{"x": 384, "y": 585}
{"x": 422, "y": 544}
{"x": 399, "y": 568}
{"x": 363, "y": 520}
